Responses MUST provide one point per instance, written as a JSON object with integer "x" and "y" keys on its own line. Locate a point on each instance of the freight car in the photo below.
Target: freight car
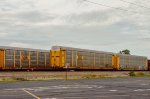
{"x": 59, "y": 58}
{"x": 131, "y": 62}
{"x": 23, "y": 58}
{"x": 75, "y": 58}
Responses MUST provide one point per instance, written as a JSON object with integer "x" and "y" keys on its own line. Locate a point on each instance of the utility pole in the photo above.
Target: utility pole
{"x": 66, "y": 67}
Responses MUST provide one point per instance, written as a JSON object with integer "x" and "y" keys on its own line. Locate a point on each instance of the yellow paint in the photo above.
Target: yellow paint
{"x": 147, "y": 64}
{"x": 83, "y": 59}
{"x": 29, "y": 58}
{"x": 113, "y": 61}
{"x": 31, "y": 94}
{"x": 76, "y": 59}
{"x": 2, "y": 58}
{"x": 45, "y": 58}
{"x": 94, "y": 58}
{"x": 37, "y": 58}
{"x": 20, "y": 59}
{"x": 117, "y": 62}
{"x": 63, "y": 58}
{"x": 24, "y": 57}
{"x": 58, "y": 58}
{"x": 72, "y": 58}
{"x": 14, "y": 58}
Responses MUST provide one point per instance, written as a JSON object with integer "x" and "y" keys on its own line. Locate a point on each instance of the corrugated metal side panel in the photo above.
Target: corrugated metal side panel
{"x": 71, "y": 57}
{"x": 130, "y": 62}
{"x": 33, "y": 59}
{"x": 86, "y": 59}
{"x": 2, "y": 63}
{"x": 17, "y": 59}
{"x": 47, "y": 59}
{"x": 76, "y": 57}
{"x": 9, "y": 58}
{"x": 89, "y": 60}
{"x": 25, "y": 57}
{"x": 80, "y": 55}
{"x": 41, "y": 59}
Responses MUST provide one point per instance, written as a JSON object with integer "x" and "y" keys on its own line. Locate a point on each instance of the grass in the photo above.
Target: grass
{"x": 100, "y": 76}
{"x": 57, "y": 78}
{"x": 138, "y": 74}
{"x": 132, "y": 74}
{"x": 44, "y": 76}
{"x": 13, "y": 79}
{"x": 8, "y": 80}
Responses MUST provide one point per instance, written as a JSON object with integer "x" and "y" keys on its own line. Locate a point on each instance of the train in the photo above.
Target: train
{"x": 75, "y": 58}
{"x": 62, "y": 58}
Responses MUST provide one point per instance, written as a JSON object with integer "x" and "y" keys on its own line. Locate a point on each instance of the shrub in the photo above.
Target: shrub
{"x": 132, "y": 73}
{"x": 20, "y": 79}
{"x": 141, "y": 74}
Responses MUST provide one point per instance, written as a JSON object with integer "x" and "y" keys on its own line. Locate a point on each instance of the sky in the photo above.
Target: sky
{"x": 107, "y": 25}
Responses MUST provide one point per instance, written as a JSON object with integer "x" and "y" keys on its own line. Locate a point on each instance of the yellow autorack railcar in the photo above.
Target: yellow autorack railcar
{"x": 23, "y": 58}
{"x": 81, "y": 58}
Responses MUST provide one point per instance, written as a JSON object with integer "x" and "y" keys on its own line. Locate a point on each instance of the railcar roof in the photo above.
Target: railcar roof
{"x": 70, "y": 48}
{"x": 20, "y": 48}
{"x": 131, "y": 55}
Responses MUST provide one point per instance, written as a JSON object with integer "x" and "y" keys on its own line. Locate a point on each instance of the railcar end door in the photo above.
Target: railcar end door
{"x": 2, "y": 58}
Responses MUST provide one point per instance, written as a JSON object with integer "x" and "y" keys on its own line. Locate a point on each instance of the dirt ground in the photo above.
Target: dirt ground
{"x": 40, "y": 75}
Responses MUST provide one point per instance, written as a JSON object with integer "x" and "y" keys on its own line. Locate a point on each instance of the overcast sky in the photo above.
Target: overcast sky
{"x": 77, "y": 23}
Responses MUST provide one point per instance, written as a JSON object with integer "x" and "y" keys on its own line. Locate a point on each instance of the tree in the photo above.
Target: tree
{"x": 126, "y": 51}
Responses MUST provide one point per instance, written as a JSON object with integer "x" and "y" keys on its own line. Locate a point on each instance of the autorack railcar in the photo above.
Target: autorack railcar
{"x": 90, "y": 59}
{"x": 67, "y": 57}
{"x": 131, "y": 62}
{"x": 24, "y": 58}
{"x": 76, "y": 58}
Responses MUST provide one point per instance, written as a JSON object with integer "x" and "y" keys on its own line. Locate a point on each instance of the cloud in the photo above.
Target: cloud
{"x": 4, "y": 34}
{"x": 19, "y": 44}
{"x": 43, "y": 23}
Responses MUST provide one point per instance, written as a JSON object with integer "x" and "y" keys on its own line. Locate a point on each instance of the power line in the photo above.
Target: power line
{"x": 135, "y": 4}
{"x": 117, "y": 8}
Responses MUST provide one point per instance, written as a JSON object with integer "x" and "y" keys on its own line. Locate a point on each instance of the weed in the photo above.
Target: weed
{"x": 20, "y": 79}
{"x": 140, "y": 74}
{"x": 132, "y": 73}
